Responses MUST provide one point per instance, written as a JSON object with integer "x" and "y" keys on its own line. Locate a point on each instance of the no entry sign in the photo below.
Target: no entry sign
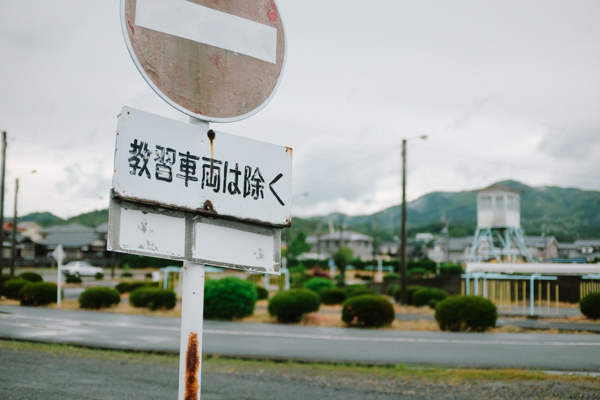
{"x": 214, "y": 60}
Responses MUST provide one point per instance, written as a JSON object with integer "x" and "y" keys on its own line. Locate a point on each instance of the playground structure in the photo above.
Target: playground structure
{"x": 509, "y": 292}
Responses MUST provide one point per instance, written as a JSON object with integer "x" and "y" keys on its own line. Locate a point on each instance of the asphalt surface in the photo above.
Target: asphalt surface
{"x": 291, "y": 342}
{"x": 41, "y": 375}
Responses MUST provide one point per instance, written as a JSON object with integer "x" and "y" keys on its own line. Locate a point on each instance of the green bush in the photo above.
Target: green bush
{"x": 31, "y": 277}
{"x": 357, "y": 290}
{"x": 368, "y": 311}
{"x": 466, "y": 314}
{"x": 98, "y": 297}
{"x": 394, "y": 291}
{"x": 5, "y": 278}
{"x": 332, "y": 296}
{"x": 72, "y": 279}
{"x": 125, "y": 287}
{"x": 12, "y": 288}
{"x": 424, "y": 296}
{"x": 391, "y": 277}
{"x": 263, "y": 293}
{"x": 126, "y": 275}
{"x": 99, "y": 276}
{"x": 229, "y": 298}
{"x": 418, "y": 272}
{"x": 291, "y": 306}
{"x": 451, "y": 269}
{"x": 153, "y": 298}
{"x": 590, "y": 305}
{"x": 38, "y": 294}
{"x": 428, "y": 265}
{"x": 318, "y": 284}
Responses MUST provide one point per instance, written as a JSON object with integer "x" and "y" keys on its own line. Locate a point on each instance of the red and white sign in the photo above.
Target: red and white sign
{"x": 218, "y": 61}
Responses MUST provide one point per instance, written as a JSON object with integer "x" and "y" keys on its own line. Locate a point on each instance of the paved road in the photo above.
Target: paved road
{"x": 104, "y": 330}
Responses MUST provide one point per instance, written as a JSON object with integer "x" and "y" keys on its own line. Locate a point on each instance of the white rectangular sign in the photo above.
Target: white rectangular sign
{"x": 178, "y": 235}
{"x": 184, "y": 166}
{"x": 195, "y": 22}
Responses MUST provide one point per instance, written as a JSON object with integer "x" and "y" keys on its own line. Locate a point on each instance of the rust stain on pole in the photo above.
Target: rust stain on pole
{"x": 192, "y": 363}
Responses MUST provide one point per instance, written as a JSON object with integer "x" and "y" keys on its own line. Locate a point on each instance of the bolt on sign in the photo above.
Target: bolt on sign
{"x": 184, "y": 191}
{"x": 217, "y": 61}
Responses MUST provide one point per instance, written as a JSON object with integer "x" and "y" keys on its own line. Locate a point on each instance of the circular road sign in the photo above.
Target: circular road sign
{"x": 215, "y": 60}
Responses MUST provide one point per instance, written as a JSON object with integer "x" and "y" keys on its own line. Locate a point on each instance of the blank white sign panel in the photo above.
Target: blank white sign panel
{"x": 153, "y": 233}
{"x": 233, "y": 246}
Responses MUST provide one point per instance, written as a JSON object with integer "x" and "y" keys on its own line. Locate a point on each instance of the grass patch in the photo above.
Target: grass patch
{"x": 425, "y": 374}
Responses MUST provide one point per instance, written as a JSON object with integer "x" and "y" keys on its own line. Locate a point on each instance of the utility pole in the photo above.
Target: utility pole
{"x": 446, "y": 231}
{"x": 2, "y": 204}
{"x": 374, "y": 232}
{"x": 403, "y": 268}
{"x": 13, "y": 247}
{"x": 319, "y": 239}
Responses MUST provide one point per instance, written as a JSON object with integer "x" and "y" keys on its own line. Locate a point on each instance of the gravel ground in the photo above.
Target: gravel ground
{"x": 39, "y": 374}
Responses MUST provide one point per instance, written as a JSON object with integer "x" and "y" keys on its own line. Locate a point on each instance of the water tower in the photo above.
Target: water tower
{"x": 499, "y": 235}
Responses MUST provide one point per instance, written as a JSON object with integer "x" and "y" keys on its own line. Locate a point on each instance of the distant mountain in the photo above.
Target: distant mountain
{"x": 43, "y": 219}
{"x": 46, "y": 219}
{"x": 568, "y": 213}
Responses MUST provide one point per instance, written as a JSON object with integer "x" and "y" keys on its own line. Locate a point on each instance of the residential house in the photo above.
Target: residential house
{"x": 79, "y": 243}
{"x": 325, "y": 245}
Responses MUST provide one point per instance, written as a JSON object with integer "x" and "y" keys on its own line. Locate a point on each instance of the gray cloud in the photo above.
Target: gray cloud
{"x": 572, "y": 141}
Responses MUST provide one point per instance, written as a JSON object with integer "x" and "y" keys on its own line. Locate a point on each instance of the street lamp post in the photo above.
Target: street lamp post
{"x": 13, "y": 247}
{"x": 403, "y": 267}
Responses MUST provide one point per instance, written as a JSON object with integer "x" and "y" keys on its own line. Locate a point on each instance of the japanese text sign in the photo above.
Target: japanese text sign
{"x": 178, "y": 165}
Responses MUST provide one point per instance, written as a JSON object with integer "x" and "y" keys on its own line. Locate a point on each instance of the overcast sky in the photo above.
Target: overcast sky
{"x": 504, "y": 90}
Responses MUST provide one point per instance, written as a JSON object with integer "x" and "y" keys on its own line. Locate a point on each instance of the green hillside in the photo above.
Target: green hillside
{"x": 568, "y": 213}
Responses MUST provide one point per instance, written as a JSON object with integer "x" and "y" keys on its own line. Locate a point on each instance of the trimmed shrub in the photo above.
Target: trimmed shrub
{"x": 391, "y": 277}
{"x": 291, "y": 306}
{"x": 590, "y": 305}
{"x": 31, "y": 277}
{"x": 357, "y": 290}
{"x": 466, "y": 314}
{"x": 125, "y": 287}
{"x": 332, "y": 296}
{"x": 368, "y": 311}
{"x": 99, "y": 276}
{"x": 148, "y": 275}
{"x": 95, "y": 298}
{"x": 38, "y": 294}
{"x": 317, "y": 284}
{"x": 393, "y": 290}
{"x": 72, "y": 279}
{"x": 451, "y": 269}
{"x": 12, "y": 288}
{"x": 428, "y": 265}
{"x": 263, "y": 293}
{"x": 153, "y": 298}
{"x": 418, "y": 272}
{"x": 229, "y": 298}
{"x": 424, "y": 296}
{"x": 126, "y": 275}
{"x": 412, "y": 289}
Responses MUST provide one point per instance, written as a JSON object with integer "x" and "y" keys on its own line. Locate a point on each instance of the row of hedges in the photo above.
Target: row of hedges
{"x": 361, "y": 265}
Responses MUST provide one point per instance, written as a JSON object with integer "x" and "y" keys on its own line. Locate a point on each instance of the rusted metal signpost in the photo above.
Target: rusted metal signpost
{"x": 185, "y": 191}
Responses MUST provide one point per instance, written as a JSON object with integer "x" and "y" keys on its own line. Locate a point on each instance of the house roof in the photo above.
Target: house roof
{"x": 102, "y": 228}
{"x": 71, "y": 228}
{"x": 70, "y": 239}
{"x": 346, "y": 236}
{"x": 539, "y": 241}
{"x": 587, "y": 242}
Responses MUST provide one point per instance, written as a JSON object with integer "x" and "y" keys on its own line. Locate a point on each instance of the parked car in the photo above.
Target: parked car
{"x": 80, "y": 268}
